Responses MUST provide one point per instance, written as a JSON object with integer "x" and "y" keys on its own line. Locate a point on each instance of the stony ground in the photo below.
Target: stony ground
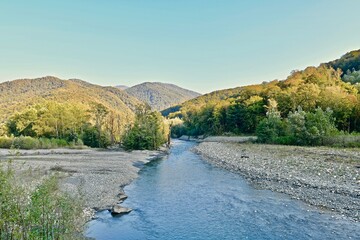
{"x": 97, "y": 176}
{"x": 324, "y": 177}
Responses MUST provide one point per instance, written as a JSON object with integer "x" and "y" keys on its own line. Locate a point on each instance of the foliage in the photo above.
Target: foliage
{"x": 352, "y": 77}
{"x": 60, "y": 125}
{"x": 299, "y": 128}
{"x": 99, "y": 113}
{"x": 18, "y": 95}
{"x": 148, "y": 131}
{"x": 349, "y": 61}
{"x": 242, "y": 110}
{"x": 40, "y": 213}
{"x": 26, "y": 142}
{"x": 92, "y": 138}
{"x": 49, "y": 119}
{"x": 270, "y": 128}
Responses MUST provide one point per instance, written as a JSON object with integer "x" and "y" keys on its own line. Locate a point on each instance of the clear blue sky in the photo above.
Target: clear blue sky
{"x": 202, "y": 45}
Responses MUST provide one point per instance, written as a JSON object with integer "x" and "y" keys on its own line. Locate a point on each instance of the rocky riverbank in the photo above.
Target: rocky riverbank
{"x": 95, "y": 176}
{"x": 325, "y": 177}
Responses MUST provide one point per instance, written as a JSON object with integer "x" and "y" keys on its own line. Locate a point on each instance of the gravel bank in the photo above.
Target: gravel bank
{"x": 325, "y": 177}
{"x": 97, "y": 176}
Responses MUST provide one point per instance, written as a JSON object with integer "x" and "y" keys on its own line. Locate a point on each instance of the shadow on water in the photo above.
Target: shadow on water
{"x": 141, "y": 164}
{"x": 183, "y": 197}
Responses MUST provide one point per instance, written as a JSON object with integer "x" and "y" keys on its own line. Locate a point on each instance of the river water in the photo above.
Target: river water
{"x": 183, "y": 197}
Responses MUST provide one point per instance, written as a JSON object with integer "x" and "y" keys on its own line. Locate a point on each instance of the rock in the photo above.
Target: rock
{"x": 122, "y": 197}
{"x": 119, "y": 210}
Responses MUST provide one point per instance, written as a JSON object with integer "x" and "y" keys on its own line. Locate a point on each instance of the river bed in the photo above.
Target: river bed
{"x": 183, "y": 197}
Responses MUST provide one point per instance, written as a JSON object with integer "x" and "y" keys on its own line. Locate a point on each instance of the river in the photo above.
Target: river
{"x": 183, "y": 197}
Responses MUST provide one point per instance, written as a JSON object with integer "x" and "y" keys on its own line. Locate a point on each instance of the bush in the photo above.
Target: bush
{"x": 42, "y": 213}
{"x": 343, "y": 140}
{"x": 45, "y": 143}
{"x": 26, "y": 143}
{"x": 36, "y": 143}
{"x": 178, "y": 130}
{"x": 285, "y": 140}
{"x": 270, "y": 128}
{"x": 6, "y": 142}
{"x": 59, "y": 142}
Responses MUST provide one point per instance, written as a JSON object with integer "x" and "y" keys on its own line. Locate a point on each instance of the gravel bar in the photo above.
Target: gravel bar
{"x": 96, "y": 176}
{"x": 324, "y": 177}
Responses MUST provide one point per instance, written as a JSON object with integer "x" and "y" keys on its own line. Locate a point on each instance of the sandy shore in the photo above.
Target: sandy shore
{"x": 97, "y": 176}
{"x": 325, "y": 177}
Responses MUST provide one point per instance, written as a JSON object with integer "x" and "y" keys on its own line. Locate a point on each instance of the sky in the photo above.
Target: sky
{"x": 202, "y": 45}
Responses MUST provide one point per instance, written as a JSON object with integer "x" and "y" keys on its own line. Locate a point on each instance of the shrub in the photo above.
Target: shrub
{"x": 270, "y": 128}
{"x": 42, "y": 213}
{"x": 37, "y": 143}
{"x": 90, "y": 137}
{"x": 26, "y": 143}
{"x": 343, "y": 140}
{"x": 6, "y": 142}
{"x": 59, "y": 142}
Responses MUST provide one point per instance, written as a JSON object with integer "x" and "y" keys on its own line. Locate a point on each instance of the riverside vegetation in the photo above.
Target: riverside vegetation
{"x": 40, "y": 210}
{"x": 52, "y": 125}
{"x": 37, "y": 210}
{"x": 316, "y": 106}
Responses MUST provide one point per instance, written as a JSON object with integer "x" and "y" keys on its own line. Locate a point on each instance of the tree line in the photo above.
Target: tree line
{"x": 314, "y": 93}
{"x": 76, "y": 125}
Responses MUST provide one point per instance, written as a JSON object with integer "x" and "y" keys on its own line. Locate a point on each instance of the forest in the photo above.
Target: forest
{"x": 315, "y": 106}
{"x": 52, "y": 124}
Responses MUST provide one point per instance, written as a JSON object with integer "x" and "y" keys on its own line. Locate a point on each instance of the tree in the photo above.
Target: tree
{"x": 271, "y": 127}
{"x": 99, "y": 112}
{"x": 148, "y": 131}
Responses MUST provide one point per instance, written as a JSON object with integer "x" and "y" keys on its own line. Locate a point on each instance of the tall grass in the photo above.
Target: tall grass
{"x": 343, "y": 140}
{"x": 40, "y": 213}
{"x": 37, "y": 143}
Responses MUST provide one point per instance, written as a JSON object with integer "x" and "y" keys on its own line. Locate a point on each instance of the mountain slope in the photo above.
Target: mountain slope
{"x": 242, "y": 108}
{"x": 122, "y": 87}
{"x": 161, "y": 95}
{"x": 18, "y": 94}
{"x": 348, "y": 62}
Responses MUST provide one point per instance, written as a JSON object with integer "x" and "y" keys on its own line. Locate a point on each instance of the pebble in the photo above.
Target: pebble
{"x": 313, "y": 177}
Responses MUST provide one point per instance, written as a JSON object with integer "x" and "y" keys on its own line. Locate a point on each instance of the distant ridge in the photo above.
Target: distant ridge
{"x": 16, "y": 95}
{"x": 348, "y": 62}
{"x": 122, "y": 87}
{"x": 161, "y": 95}
{"x": 280, "y": 88}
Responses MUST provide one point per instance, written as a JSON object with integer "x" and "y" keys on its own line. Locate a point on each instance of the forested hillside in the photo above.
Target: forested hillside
{"x": 240, "y": 110}
{"x": 160, "y": 95}
{"x": 65, "y": 109}
{"x": 19, "y": 94}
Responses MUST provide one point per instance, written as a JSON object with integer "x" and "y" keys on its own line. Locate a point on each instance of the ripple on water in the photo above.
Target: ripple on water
{"x": 183, "y": 197}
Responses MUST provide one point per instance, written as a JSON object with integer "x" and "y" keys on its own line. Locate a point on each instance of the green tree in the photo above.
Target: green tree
{"x": 147, "y": 132}
{"x": 271, "y": 127}
{"x": 99, "y": 112}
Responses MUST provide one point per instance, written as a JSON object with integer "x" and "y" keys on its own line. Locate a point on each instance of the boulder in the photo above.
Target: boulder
{"x": 119, "y": 210}
{"x": 122, "y": 197}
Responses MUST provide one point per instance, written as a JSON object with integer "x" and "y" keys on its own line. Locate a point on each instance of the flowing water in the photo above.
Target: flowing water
{"x": 183, "y": 197}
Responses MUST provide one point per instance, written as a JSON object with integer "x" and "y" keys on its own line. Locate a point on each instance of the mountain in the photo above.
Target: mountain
{"x": 16, "y": 95}
{"x": 239, "y": 110}
{"x": 160, "y": 95}
{"x": 348, "y": 62}
{"x": 122, "y": 87}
